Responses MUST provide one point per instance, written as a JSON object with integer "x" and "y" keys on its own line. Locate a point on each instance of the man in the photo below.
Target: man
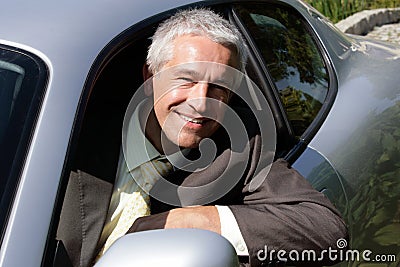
{"x": 189, "y": 72}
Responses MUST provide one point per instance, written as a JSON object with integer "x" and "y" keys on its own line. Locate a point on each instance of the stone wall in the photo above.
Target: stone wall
{"x": 363, "y": 22}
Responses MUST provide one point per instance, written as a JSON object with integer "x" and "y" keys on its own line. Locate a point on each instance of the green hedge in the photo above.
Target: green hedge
{"x": 337, "y": 10}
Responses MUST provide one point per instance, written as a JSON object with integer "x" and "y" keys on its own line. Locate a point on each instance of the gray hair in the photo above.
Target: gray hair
{"x": 198, "y": 22}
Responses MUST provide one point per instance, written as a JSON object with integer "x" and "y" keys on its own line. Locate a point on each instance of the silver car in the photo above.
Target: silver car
{"x": 68, "y": 69}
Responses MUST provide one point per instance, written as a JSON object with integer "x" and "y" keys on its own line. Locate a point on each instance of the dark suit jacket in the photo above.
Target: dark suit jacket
{"x": 284, "y": 212}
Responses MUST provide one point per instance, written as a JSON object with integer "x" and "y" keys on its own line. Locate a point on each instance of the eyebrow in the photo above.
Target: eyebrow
{"x": 188, "y": 72}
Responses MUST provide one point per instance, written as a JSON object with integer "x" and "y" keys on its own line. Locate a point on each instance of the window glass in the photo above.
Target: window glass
{"x": 292, "y": 59}
{"x": 22, "y": 81}
{"x": 11, "y": 76}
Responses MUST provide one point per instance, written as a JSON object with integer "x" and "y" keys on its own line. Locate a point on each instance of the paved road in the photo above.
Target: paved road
{"x": 389, "y": 32}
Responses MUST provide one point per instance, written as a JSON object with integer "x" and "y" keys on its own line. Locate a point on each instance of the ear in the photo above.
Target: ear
{"x": 148, "y": 88}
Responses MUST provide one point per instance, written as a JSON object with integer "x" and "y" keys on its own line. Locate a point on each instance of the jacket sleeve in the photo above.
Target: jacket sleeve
{"x": 286, "y": 213}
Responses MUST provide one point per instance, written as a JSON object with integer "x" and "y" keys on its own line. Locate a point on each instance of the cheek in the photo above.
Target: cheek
{"x": 165, "y": 89}
{"x": 166, "y": 100}
{"x": 218, "y": 108}
{"x": 164, "y": 103}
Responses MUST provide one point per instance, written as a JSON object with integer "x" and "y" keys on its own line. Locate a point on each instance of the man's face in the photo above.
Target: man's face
{"x": 190, "y": 97}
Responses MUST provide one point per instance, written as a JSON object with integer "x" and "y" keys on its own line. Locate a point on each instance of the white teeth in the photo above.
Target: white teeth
{"x": 192, "y": 120}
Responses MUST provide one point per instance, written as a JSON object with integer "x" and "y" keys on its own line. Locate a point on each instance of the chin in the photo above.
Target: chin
{"x": 189, "y": 142}
{"x": 186, "y": 144}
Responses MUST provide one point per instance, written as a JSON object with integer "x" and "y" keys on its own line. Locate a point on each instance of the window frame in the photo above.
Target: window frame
{"x": 37, "y": 70}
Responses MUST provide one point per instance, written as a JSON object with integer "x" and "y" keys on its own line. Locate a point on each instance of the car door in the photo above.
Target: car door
{"x": 300, "y": 73}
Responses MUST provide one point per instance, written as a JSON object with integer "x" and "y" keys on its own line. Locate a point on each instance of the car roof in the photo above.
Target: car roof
{"x": 51, "y": 26}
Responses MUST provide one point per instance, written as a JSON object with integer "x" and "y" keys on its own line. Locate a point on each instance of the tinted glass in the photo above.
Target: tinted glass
{"x": 22, "y": 81}
{"x": 292, "y": 59}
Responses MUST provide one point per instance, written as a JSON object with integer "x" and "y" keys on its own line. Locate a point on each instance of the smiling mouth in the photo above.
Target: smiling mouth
{"x": 193, "y": 120}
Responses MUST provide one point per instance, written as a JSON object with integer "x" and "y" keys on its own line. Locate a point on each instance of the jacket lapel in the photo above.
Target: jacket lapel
{"x": 95, "y": 196}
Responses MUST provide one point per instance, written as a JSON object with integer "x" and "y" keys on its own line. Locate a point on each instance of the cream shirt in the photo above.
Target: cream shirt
{"x": 140, "y": 150}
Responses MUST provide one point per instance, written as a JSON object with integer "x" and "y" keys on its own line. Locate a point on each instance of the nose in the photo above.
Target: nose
{"x": 197, "y": 97}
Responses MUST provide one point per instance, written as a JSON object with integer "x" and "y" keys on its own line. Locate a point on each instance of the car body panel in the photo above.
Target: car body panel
{"x": 360, "y": 137}
{"x": 322, "y": 176}
{"x": 362, "y": 85}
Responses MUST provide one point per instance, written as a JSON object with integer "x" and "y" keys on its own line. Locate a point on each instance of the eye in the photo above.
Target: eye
{"x": 218, "y": 87}
{"x": 185, "y": 82}
{"x": 218, "y": 91}
{"x": 185, "y": 79}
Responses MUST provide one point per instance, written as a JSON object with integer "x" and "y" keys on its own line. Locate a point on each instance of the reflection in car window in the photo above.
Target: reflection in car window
{"x": 292, "y": 59}
{"x": 11, "y": 77}
{"x": 22, "y": 80}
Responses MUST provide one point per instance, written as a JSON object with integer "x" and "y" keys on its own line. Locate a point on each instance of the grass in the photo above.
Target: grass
{"x": 337, "y": 10}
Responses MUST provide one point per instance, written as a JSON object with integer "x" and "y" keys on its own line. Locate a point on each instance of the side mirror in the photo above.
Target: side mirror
{"x": 171, "y": 247}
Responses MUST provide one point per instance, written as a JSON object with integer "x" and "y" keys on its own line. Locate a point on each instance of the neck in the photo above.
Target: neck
{"x": 157, "y": 137}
